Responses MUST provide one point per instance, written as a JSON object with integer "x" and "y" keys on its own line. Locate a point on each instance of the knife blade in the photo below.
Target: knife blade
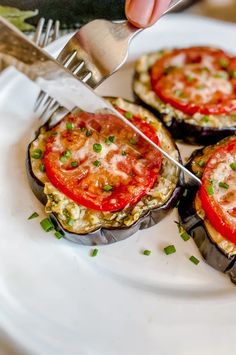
{"x": 16, "y": 50}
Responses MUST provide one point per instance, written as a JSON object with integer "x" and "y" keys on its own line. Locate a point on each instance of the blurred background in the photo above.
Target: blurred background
{"x": 73, "y": 13}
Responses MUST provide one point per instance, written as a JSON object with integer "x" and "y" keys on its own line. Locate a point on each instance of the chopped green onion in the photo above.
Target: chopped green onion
{"x": 69, "y": 126}
{"x": 70, "y": 222}
{"x": 42, "y": 168}
{"x": 224, "y": 185}
{"x": 234, "y": 74}
{"x": 224, "y": 62}
{"x": 107, "y": 188}
{"x": 83, "y": 129}
{"x": 199, "y": 174}
{"x": 58, "y": 235}
{"x": 97, "y": 163}
{"x": 94, "y": 252}
{"x": 190, "y": 79}
{"x": 233, "y": 166}
{"x": 74, "y": 164}
{"x": 34, "y": 215}
{"x": 54, "y": 133}
{"x": 146, "y": 252}
{"x": 89, "y": 133}
{"x": 67, "y": 154}
{"x": 210, "y": 190}
{"x": 97, "y": 147}
{"x": 47, "y": 225}
{"x": 128, "y": 115}
{"x": 178, "y": 93}
{"x": 201, "y": 163}
{"x": 123, "y": 153}
{"x": 170, "y": 249}
{"x": 133, "y": 141}
{"x": 185, "y": 192}
{"x": 37, "y": 154}
{"x": 185, "y": 236}
{"x": 110, "y": 140}
{"x": 63, "y": 159}
{"x": 205, "y": 119}
{"x": 194, "y": 260}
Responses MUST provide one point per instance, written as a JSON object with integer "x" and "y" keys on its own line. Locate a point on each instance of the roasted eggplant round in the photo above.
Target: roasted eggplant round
{"x": 116, "y": 195}
{"x": 208, "y": 214}
{"x": 193, "y": 91}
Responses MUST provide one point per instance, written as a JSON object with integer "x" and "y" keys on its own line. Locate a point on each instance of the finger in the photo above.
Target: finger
{"x": 144, "y": 13}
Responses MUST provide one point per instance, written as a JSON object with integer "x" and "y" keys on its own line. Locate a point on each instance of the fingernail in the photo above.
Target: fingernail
{"x": 140, "y": 11}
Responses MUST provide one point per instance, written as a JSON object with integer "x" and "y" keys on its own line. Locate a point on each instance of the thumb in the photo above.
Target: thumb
{"x": 144, "y": 13}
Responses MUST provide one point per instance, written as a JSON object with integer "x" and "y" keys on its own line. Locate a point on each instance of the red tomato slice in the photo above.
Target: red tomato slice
{"x": 99, "y": 163}
{"x": 197, "y": 79}
{"x": 218, "y": 190}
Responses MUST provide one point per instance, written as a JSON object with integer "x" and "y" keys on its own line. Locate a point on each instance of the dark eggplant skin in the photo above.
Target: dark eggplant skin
{"x": 183, "y": 131}
{"x": 102, "y": 235}
{"x": 195, "y": 227}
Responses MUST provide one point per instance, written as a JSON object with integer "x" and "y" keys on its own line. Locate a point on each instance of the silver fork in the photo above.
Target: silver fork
{"x": 41, "y": 38}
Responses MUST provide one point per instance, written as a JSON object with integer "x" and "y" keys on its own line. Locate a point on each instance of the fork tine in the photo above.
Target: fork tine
{"x": 69, "y": 58}
{"x": 40, "y": 100}
{"x": 47, "y": 33}
{"x": 86, "y": 77}
{"x": 75, "y": 70}
{"x": 39, "y": 30}
{"x": 56, "y": 30}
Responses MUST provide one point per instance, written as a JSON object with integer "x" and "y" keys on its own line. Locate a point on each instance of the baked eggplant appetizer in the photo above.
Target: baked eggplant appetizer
{"x": 193, "y": 90}
{"x": 208, "y": 214}
{"x": 99, "y": 180}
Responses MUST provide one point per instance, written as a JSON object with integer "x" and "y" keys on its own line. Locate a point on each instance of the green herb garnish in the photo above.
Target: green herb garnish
{"x": 234, "y": 74}
{"x": 107, "y": 188}
{"x": 42, "y": 168}
{"x": 201, "y": 163}
{"x": 37, "y": 154}
{"x": 185, "y": 192}
{"x": 170, "y": 249}
{"x": 110, "y": 139}
{"x": 63, "y": 159}
{"x": 69, "y": 126}
{"x": 74, "y": 164}
{"x": 58, "y": 235}
{"x": 133, "y": 141}
{"x": 194, "y": 260}
{"x": 17, "y": 17}
{"x": 178, "y": 93}
{"x": 47, "y": 225}
{"x": 89, "y": 133}
{"x": 205, "y": 119}
{"x": 128, "y": 115}
{"x": 97, "y": 163}
{"x": 94, "y": 252}
{"x": 146, "y": 252}
{"x": 199, "y": 174}
{"x": 233, "y": 166}
{"x": 224, "y": 62}
{"x": 123, "y": 153}
{"x": 210, "y": 190}
{"x": 224, "y": 185}
{"x": 97, "y": 147}
{"x": 70, "y": 222}
{"x": 33, "y": 215}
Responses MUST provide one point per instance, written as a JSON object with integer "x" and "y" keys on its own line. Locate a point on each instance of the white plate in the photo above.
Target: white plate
{"x": 57, "y": 300}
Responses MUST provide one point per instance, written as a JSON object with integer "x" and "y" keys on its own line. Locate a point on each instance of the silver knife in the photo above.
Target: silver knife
{"x": 16, "y": 50}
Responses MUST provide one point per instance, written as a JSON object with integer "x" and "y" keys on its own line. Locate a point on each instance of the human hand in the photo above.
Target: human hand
{"x": 144, "y": 13}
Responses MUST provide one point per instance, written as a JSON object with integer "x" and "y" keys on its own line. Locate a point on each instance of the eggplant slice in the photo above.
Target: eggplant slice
{"x": 116, "y": 226}
{"x": 217, "y": 251}
{"x": 190, "y": 129}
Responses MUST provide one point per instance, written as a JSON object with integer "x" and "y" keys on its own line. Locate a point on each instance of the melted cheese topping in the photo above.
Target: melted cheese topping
{"x": 225, "y": 197}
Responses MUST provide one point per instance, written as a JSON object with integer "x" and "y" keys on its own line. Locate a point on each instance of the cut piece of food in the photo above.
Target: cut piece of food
{"x": 208, "y": 214}
{"x": 192, "y": 89}
{"x": 101, "y": 183}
